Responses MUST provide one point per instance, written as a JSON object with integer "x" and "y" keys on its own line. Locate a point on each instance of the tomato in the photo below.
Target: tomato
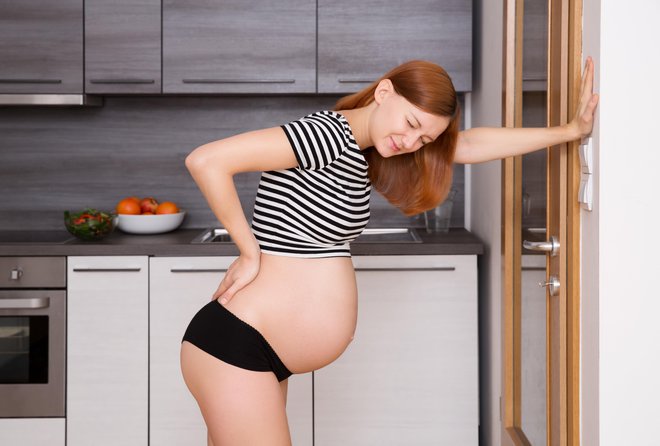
{"x": 167, "y": 207}
{"x": 128, "y": 206}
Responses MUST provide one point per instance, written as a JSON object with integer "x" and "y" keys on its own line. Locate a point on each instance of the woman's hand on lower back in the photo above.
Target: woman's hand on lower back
{"x": 240, "y": 273}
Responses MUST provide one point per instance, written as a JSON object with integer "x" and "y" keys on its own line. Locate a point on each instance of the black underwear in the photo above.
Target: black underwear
{"x": 220, "y": 333}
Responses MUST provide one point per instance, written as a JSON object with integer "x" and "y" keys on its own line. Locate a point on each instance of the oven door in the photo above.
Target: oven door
{"x": 32, "y": 353}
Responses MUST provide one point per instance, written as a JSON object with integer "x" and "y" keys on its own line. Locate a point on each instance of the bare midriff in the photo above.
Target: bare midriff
{"x": 306, "y": 308}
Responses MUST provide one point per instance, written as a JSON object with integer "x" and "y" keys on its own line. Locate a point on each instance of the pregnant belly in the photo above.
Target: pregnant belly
{"x": 305, "y": 307}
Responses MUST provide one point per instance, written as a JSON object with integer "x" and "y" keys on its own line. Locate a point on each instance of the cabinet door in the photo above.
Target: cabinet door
{"x": 360, "y": 41}
{"x": 410, "y": 376}
{"x": 122, "y": 46}
{"x": 41, "y": 46}
{"x": 180, "y": 286}
{"x": 107, "y": 350}
{"x": 32, "y": 431}
{"x": 235, "y": 46}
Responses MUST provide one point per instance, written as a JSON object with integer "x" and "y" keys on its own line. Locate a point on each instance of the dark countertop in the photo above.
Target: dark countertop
{"x": 177, "y": 243}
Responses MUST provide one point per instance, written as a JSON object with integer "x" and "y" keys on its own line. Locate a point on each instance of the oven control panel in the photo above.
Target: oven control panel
{"x": 33, "y": 272}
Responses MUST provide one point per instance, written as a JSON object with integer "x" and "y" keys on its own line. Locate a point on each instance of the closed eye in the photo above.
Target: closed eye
{"x": 412, "y": 126}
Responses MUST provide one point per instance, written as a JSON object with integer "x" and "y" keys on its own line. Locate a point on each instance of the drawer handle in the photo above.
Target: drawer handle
{"x": 436, "y": 268}
{"x": 122, "y": 81}
{"x": 29, "y": 303}
{"x": 200, "y": 270}
{"x": 30, "y": 81}
{"x": 106, "y": 270}
{"x": 239, "y": 81}
{"x": 343, "y": 80}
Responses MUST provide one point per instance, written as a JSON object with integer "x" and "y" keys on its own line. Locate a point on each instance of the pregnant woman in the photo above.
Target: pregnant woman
{"x": 288, "y": 303}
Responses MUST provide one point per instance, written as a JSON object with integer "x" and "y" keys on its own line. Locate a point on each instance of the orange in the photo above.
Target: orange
{"x": 167, "y": 207}
{"x": 128, "y": 206}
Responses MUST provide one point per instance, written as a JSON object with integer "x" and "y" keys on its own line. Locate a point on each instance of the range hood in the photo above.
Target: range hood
{"x": 51, "y": 99}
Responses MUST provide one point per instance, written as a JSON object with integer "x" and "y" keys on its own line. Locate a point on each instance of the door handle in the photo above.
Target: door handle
{"x": 551, "y": 246}
{"x": 553, "y": 283}
{"x": 24, "y": 303}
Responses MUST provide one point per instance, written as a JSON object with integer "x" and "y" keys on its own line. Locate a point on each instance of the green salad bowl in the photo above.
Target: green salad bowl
{"x": 90, "y": 224}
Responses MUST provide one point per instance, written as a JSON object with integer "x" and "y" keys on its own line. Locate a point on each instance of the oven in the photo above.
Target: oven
{"x": 32, "y": 336}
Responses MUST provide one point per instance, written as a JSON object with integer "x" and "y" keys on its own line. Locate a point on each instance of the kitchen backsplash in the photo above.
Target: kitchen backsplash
{"x": 57, "y": 158}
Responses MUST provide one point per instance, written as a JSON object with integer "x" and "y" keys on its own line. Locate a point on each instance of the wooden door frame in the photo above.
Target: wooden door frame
{"x": 565, "y": 40}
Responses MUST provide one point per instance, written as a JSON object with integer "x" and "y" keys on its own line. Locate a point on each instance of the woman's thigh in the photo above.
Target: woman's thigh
{"x": 240, "y": 407}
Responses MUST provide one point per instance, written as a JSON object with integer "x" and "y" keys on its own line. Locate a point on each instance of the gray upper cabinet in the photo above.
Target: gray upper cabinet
{"x": 359, "y": 41}
{"x": 122, "y": 46}
{"x": 238, "y": 46}
{"x": 41, "y": 48}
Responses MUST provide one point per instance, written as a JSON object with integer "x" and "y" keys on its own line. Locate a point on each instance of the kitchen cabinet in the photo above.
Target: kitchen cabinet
{"x": 32, "y": 431}
{"x": 410, "y": 376}
{"x": 122, "y": 46}
{"x": 107, "y": 350}
{"x": 239, "y": 47}
{"x": 179, "y": 287}
{"x": 41, "y": 46}
{"x": 360, "y": 41}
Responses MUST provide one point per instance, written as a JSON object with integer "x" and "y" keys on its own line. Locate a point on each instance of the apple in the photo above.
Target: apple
{"x": 149, "y": 204}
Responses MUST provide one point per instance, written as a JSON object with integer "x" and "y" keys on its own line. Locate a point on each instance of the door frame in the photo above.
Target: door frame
{"x": 564, "y": 79}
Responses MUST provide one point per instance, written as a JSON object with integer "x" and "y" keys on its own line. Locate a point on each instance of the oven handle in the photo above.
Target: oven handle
{"x": 29, "y": 303}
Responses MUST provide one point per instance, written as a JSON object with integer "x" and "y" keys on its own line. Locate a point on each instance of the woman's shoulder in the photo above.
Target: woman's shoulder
{"x": 326, "y": 115}
{"x": 321, "y": 122}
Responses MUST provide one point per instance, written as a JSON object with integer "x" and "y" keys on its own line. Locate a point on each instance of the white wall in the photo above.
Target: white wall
{"x": 589, "y": 262}
{"x": 620, "y": 249}
{"x": 485, "y": 213}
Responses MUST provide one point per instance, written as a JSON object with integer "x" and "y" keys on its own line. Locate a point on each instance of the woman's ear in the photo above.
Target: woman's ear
{"x": 383, "y": 89}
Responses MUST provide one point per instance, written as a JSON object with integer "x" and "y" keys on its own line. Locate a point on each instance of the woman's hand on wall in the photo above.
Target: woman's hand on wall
{"x": 583, "y": 120}
{"x": 241, "y": 272}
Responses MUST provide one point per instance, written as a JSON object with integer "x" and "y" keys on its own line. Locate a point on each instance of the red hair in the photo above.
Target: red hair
{"x": 418, "y": 181}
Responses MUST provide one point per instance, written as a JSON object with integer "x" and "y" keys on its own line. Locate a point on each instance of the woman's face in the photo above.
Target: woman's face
{"x": 396, "y": 126}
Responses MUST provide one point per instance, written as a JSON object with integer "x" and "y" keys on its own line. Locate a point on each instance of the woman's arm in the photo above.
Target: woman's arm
{"x": 485, "y": 143}
{"x": 213, "y": 167}
{"x": 482, "y": 144}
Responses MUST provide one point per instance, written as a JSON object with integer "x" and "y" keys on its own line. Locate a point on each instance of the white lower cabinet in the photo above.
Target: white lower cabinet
{"x": 410, "y": 376}
{"x": 32, "y": 431}
{"x": 180, "y": 286}
{"x": 107, "y": 351}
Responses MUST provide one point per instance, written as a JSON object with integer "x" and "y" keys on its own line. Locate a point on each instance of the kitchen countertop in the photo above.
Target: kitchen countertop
{"x": 177, "y": 243}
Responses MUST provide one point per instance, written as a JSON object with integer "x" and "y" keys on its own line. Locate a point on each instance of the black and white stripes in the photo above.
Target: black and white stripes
{"x": 319, "y": 207}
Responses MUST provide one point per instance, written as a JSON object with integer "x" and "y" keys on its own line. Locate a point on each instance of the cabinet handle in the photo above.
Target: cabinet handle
{"x": 122, "y": 81}
{"x": 200, "y": 270}
{"x": 343, "y": 80}
{"x": 25, "y": 304}
{"x": 435, "y": 268}
{"x": 106, "y": 270}
{"x": 239, "y": 81}
{"x": 30, "y": 81}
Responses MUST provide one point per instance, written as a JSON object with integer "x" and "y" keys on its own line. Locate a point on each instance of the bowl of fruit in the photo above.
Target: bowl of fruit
{"x": 90, "y": 224}
{"x": 148, "y": 216}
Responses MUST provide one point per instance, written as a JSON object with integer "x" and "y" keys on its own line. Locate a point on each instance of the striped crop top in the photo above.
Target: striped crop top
{"x": 319, "y": 207}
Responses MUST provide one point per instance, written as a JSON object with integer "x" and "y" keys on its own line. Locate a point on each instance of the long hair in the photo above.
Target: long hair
{"x": 418, "y": 181}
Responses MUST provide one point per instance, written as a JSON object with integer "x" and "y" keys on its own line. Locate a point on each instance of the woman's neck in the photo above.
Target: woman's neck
{"x": 358, "y": 119}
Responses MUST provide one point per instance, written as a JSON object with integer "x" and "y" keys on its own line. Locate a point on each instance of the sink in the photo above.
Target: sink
{"x": 388, "y": 235}
{"x": 213, "y": 235}
{"x": 369, "y": 235}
